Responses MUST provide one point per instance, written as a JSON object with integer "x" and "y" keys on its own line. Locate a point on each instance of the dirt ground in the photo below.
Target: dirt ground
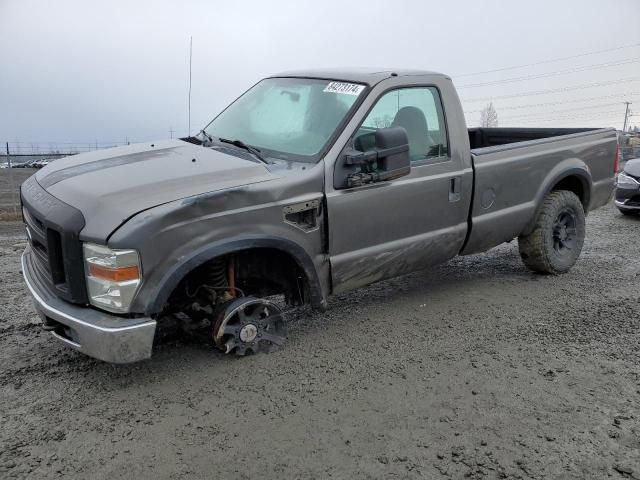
{"x": 475, "y": 369}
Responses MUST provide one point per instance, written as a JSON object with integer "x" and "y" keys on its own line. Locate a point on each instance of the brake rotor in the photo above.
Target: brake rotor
{"x": 249, "y": 325}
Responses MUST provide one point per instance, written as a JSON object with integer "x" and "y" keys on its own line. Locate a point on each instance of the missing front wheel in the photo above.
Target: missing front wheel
{"x": 249, "y": 325}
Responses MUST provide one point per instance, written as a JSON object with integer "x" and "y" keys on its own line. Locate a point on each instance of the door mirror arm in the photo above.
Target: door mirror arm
{"x": 359, "y": 158}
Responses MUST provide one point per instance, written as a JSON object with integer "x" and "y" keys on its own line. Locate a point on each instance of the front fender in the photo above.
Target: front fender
{"x": 160, "y": 294}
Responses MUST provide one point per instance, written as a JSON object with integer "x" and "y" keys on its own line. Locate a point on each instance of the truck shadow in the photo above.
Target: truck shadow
{"x": 490, "y": 270}
{"x": 629, "y": 219}
{"x": 462, "y": 279}
{"x": 420, "y": 297}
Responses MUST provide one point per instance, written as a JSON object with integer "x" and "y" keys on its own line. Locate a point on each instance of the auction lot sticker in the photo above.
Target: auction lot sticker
{"x": 346, "y": 88}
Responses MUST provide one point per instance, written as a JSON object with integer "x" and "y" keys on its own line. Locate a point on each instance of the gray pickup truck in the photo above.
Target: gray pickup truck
{"x": 309, "y": 184}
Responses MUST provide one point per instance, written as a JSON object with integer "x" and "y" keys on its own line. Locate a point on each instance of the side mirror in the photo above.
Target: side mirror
{"x": 387, "y": 161}
{"x": 392, "y": 145}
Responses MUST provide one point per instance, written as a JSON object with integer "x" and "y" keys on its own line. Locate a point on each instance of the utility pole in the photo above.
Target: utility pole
{"x": 12, "y": 185}
{"x": 190, "y": 56}
{"x": 171, "y": 131}
{"x": 626, "y": 116}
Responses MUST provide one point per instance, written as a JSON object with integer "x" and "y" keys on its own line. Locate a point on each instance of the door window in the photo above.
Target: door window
{"x": 419, "y": 111}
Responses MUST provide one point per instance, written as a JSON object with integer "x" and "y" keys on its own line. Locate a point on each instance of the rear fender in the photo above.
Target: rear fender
{"x": 572, "y": 167}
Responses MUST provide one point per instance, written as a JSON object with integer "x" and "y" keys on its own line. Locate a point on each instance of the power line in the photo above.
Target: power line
{"x": 536, "y": 122}
{"x": 563, "y": 116}
{"x": 560, "y": 114}
{"x": 548, "y": 61}
{"x": 566, "y": 119}
{"x": 578, "y": 100}
{"x": 551, "y": 74}
{"x": 552, "y": 90}
{"x": 563, "y": 112}
{"x": 563, "y": 123}
{"x": 600, "y": 105}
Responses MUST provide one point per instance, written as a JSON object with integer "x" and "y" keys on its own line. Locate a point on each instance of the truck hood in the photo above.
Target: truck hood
{"x": 110, "y": 186}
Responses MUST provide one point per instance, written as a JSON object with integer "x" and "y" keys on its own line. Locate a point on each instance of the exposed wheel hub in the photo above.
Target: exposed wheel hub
{"x": 249, "y": 325}
{"x": 248, "y": 333}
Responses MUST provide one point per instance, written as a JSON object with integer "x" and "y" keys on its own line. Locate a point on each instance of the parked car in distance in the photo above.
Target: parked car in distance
{"x": 310, "y": 184}
{"x": 27, "y": 164}
{"x": 40, "y": 163}
{"x": 628, "y": 188}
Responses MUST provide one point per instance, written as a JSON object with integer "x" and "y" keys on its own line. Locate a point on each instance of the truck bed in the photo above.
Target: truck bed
{"x": 491, "y": 137}
{"x": 514, "y": 168}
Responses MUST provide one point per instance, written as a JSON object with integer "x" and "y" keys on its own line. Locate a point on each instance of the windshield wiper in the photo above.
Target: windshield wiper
{"x": 205, "y": 135}
{"x": 240, "y": 144}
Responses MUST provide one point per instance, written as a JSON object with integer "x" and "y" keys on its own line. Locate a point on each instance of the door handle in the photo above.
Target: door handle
{"x": 455, "y": 184}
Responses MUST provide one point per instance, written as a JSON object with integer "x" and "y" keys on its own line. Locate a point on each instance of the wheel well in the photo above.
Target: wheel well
{"x": 576, "y": 185}
{"x": 572, "y": 183}
{"x": 260, "y": 272}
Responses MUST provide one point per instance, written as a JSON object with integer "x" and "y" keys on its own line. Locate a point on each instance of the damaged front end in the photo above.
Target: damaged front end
{"x": 233, "y": 301}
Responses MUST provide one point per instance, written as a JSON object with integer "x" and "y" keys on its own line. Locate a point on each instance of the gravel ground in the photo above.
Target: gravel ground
{"x": 476, "y": 369}
{"x": 10, "y": 179}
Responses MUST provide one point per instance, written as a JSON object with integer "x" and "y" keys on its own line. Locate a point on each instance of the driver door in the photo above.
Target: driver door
{"x": 384, "y": 229}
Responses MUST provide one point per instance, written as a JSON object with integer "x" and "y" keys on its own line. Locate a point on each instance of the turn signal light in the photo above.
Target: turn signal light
{"x": 120, "y": 274}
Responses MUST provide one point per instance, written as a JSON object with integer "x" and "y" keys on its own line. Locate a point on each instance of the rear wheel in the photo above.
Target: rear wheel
{"x": 556, "y": 241}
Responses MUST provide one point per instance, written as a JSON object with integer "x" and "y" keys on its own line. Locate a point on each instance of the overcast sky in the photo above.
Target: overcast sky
{"x": 81, "y": 71}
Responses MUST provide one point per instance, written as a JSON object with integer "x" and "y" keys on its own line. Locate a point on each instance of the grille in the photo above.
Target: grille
{"x": 54, "y": 228}
{"x": 633, "y": 201}
{"x": 46, "y": 244}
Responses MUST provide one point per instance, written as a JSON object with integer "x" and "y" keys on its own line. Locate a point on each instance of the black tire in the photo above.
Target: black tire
{"x": 555, "y": 243}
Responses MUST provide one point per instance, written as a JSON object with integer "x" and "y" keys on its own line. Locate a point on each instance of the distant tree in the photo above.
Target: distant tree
{"x": 489, "y": 116}
{"x": 382, "y": 122}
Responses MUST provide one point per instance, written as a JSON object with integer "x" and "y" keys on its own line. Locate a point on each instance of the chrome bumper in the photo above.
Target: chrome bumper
{"x": 97, "y": 334}
{"x": 626, "y": 207}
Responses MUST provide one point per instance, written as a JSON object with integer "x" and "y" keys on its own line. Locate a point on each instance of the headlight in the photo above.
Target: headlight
{"x": 113, "y": 277}
{"x": 625, "y": 181}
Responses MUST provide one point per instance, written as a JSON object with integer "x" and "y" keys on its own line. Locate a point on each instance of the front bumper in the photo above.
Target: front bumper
{"x": 623, "y": 205}
{"x": 97, "y": 334}
{"x": 628, "y": 198}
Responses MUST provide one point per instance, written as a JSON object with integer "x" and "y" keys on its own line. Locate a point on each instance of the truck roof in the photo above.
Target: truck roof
{"x": 369, "y": 76}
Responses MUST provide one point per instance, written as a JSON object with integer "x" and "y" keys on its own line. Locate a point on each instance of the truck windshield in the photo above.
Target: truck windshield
{"x": 289, "y": 118}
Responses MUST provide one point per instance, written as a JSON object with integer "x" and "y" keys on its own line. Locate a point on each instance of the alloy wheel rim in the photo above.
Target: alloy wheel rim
{"x": 564, "y": 232}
